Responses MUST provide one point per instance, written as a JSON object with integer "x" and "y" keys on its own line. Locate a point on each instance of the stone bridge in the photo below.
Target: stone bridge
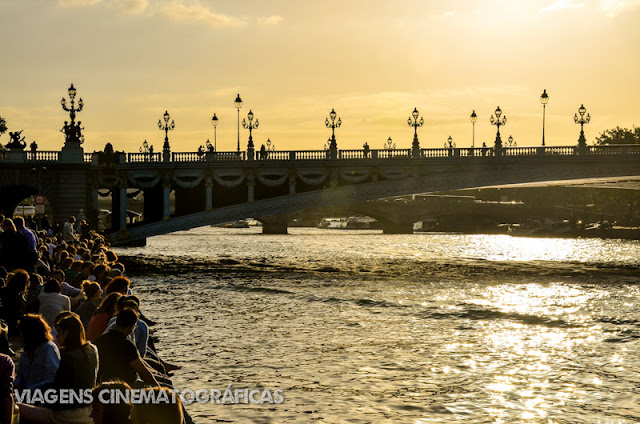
{"x": 216, "y": 187}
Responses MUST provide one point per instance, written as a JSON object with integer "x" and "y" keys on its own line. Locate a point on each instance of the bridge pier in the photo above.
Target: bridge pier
{"x": 397, "y": 227}
{"x": 275, "y": 224}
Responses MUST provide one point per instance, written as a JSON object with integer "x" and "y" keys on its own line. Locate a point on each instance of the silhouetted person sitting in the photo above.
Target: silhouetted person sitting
{"x": 119, "y": 357}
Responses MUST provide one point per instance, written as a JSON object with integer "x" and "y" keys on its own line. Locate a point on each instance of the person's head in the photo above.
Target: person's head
{"x": 87, "y": 268}
{"x": 35, "y": 280}
{"x": 100, "y": 271}
{"x": 58, "y": 274}
{"x": 118, "y": 285}
{"x": 111, "y": 256}
{"x": 8, "y": 225}
{"x": 76, "y": 266}
{"x": 108, "y": 304}
{"x": 19, "y": 222}
{"x": 52, "y": 286}
{"x": 109, "y": 406}
{"x": 92, "y": 291}
{"x": 34, "y": 331}
{"x": 71, "y": 219}
{"x": 18, "y": 281}
{"x": 71, "y": 333}
{"x": 126, "y": 320}
{"x": 166, "y": 408}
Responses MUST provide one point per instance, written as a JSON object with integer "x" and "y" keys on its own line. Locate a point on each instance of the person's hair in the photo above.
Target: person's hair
{"x": 52, "y": 286}
{"x": 18, "y": 221}
{"x": 124, "y": 303}
{"x": 72, "y": 250}
{"x": 116, "y": 410}
{"x": 158, "y": 411}
{"x": 76, "y": 266}
{"x": 35, "y": 280}
{"x": 75, "y": 336}
{"x": 62, "y": 315}
{"x": 18, "y": 281}
{"x": 108, "y": 304}
{"x": 9, "y": 223}
{"x": 126, "y": 318}
{"x": 111, "y": 256}
{"x": 118, "y": 284}
{"x": 71, "y": 219}
{"x": 91, "y": 288}
{"x": 58, "y": 274}
{"x": 63, "y": 255}
{"x": 87, "y": 264}
{"x": 34, "y": 331}
{"x": 100, "y": 269}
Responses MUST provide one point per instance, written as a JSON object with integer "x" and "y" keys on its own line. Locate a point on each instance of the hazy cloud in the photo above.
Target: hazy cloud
{"x": 613, "y": 8}
{"x": 563, "y": 4}
{"x": 191, "y": 10}
{"x": 77, "y": 3}
{"x": 270, "y": 20}
{"x": 132, "y": 7}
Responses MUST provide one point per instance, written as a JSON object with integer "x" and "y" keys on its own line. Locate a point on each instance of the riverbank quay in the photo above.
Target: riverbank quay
{"x": 48, "y": 277}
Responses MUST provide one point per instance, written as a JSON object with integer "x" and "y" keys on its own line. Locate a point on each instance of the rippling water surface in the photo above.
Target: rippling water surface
{"x": 359, "y": 327}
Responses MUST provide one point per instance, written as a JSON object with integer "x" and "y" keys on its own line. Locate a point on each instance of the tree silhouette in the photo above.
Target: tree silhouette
{"x": 619, "y": 135}
{"x": 3, "y": 125}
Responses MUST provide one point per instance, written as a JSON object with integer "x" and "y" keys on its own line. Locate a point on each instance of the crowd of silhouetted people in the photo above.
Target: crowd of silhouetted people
{"x": 68, "y": 311}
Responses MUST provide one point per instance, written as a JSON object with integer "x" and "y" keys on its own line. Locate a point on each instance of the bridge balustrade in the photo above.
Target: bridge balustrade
{"x": 275, "y": 155}
{"x": 187, "y": 157}
{"x": 144, "y": 157}
{"x": 311, "y": 154}
{"x": 43, "y": 155}
{"x": 521, "y": 151}
{"x": 393, "y": 153}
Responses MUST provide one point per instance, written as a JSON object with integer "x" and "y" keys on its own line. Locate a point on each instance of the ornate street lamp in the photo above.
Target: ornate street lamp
{"x": 238, "y": 104}
{"x": 511, "y": 141}
{"x": 389, "y": 144}
{"x": 333, "y": 145}
{"x": 166, "y": 127}
{"x": 72, "y": 131}
{"x": 582, "y": 142}
{"x": 544, "y": 99}
{"x": 250, "y": 126}
{"x": 415, "y": 146}
{"x": 449, "y": 144}
{"x": 497, "y": 121}
{"x": 474, "y": 118}
{"x": 214, "y": 121}
{"x": 147, "y": 150}
{"x": 270, "y": 147}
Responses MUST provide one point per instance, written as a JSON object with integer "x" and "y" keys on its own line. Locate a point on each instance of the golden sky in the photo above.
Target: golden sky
{"x": 293, "y": 61}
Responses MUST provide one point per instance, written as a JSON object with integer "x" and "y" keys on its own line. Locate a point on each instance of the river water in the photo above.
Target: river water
{"x": 360, "y": 327}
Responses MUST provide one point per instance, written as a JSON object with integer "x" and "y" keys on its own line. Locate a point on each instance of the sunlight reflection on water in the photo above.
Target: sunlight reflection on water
{"x": 429, "y": 328}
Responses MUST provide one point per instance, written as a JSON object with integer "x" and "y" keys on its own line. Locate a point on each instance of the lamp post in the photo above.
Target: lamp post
{"x": 270, "y": 147}
{"x": 238, "y": 104}
{"x": 415, "y": 146}
{"x": 511, "y": 141}
{"x": 582, "y": 142}
{"x": 544, "y": 99}
{"x": 497, "y": 121}
{"x": 389, "y": 144}
{"x": 449, "y": 144}
{"x": 333, "y": 145}
{"x": 250, "y": 126}
{"x": 147, "y": 150}
{"x": 166, "y": 127}
{"x": 72, "y": 131}
{"x": 473, "y": 118}
{"x": 214, "y": 121}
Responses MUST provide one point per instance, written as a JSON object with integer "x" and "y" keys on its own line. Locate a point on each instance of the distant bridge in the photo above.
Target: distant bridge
{"x": 217, "y": 187}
